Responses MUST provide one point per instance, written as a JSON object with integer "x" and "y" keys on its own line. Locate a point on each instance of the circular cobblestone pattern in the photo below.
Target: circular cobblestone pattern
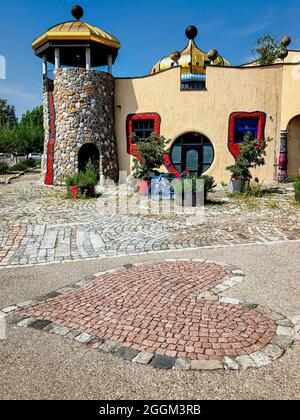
{"x": 160, "y": 309}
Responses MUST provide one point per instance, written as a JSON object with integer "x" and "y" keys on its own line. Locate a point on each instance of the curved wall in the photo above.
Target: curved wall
{"x": 84, "y": 113}
{"x": 207, "y": 112}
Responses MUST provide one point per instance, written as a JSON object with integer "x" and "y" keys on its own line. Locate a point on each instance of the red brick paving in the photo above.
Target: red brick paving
{"x": 154, "y": 308}
{"x": 13, "y": 240}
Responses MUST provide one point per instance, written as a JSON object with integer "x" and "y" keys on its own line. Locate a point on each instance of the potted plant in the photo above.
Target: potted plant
{"x": 149, "y": 158}
{"x": 82, "y": 182}
{"x": 252, "y": 155}
{"x": 297, "y": 190}
{"x": 88, "y": 180}
{"x": 182, "y": 190}
{"x": 72, "y": 185}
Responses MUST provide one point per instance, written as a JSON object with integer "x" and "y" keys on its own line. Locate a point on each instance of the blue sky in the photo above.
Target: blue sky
{"x": 148, "y": 30}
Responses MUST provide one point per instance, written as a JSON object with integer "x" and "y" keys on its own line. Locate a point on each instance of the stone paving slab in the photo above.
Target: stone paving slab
{"x": 150, "y": 314}
{"x": 38, "y": 225}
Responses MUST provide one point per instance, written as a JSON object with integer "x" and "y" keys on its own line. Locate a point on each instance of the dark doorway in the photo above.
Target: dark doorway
{"x": 192, "y": 152}
{"x": 88, "y": 152}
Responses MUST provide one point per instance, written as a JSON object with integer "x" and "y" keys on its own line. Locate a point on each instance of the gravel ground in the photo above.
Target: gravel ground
{"x": 35, "y": 365}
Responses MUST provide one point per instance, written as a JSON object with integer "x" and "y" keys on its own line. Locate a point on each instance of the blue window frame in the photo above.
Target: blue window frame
{"x": 242, "y": 126}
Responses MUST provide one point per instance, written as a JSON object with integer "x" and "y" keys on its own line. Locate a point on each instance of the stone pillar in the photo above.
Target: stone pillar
{"x": 283, "y": 156}
{"x": 45, "y": 65}
{"x": 109, "y": 67}
{"x": 88, "y": 58}
{"x": 57, "y": 58}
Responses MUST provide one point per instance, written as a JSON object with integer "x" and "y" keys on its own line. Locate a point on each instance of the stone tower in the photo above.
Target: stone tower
{"x": 78, "y": 100}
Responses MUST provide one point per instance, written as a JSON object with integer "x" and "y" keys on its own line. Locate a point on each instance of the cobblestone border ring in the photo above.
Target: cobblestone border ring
{"x": 170, "y": 315}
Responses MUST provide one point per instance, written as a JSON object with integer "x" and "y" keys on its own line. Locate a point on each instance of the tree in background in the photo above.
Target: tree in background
{"x": 7, "y": 114}
{"x": 28, "y": 135}
{"x": 24, "y": 137}
{"x": 266, "y": 50}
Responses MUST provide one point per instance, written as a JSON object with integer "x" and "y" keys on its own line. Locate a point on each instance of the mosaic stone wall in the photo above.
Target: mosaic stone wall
{"x": 84, "y": 113}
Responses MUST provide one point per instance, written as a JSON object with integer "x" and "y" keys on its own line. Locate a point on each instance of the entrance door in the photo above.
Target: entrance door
{"x": 191, "y": 160}
{"x": 88, "y": 153}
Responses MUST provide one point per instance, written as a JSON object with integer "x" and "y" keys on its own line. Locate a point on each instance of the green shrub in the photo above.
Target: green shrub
{"x": 252, "y": 155}
{"x": 31, "y": 163}
{"x": 253, "y": 189}
{"x": 72, "y": 180}
{"x": 150, "y": 156}
{"x": 3, "y": 168}
{"x": 19, "y": 167}
{"x": 297, "y": 185}
{"x": 82, "y": 180}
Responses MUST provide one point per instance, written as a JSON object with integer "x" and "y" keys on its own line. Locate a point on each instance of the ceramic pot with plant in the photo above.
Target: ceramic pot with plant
{"x": 149, "y": 158}
{"x": 252, "y": 155}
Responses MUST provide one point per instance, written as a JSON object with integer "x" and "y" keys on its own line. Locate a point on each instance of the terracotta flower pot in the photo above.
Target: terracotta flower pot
{"x": 73, "y": 192}
{"x": 144, "y": 187}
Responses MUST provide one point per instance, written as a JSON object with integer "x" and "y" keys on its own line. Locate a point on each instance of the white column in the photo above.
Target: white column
{"x": 88, "y": 58}
{"x": 109, "y": 68}
{"x": 57, "y": 58}
{"x": 45, "y": 64}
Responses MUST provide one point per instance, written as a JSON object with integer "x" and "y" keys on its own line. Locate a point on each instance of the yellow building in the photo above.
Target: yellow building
{"x": 196, "y": 99}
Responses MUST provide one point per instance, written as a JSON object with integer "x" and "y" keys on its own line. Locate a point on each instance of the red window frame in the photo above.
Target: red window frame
{"x": 235, "y": 147}
{"x": 132, "y": 147}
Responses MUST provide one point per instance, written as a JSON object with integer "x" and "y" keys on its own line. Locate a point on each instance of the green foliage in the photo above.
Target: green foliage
{"x": 151, "y": 156}
{"x": 266, "y": 50}
{"x": 252, "y": 155}
{"x": 6, "y": 139}
{"x": 3, "y": 168}
{"x": 72, "y": 180}
{"x": 253, "y": 189}
{"x": 7, "y": 114}
{"x": 28, "y": 135}
{"x": 297, "y": 185}
{"x": 89, "y": 178}
{"x": 25, "y": 137}
{"x": 19, "y": 167}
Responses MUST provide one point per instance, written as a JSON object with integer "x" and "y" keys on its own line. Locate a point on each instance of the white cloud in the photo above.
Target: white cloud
{"x": 16, "y": 91}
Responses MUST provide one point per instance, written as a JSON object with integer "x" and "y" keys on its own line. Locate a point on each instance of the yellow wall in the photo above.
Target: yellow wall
{"x": 228, "y": 90}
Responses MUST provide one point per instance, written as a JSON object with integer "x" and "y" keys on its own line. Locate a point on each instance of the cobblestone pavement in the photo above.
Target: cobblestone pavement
{"x": 168, "y": 314}
{"x": 39, "y": 225}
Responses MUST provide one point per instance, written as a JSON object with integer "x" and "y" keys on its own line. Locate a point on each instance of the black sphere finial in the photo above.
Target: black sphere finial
{"x": 77, "y": 12}
{"x": 191, "y": 32}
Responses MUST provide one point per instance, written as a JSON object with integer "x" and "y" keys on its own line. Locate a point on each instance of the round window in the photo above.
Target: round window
{"x": 193, "y": 153}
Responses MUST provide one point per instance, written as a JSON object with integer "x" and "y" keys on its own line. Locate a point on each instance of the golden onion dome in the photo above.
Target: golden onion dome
{"x": 72, "y": 37}
{"x": 191, "y": 60}
{"x": 77, "y": 31}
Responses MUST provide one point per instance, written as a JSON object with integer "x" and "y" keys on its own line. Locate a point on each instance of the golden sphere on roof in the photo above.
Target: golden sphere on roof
{"x": 191, "y": 59}
{"x": 213, "y": 54}
{"x": 285, "y": 41}
{"x": 175, "y": 56}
